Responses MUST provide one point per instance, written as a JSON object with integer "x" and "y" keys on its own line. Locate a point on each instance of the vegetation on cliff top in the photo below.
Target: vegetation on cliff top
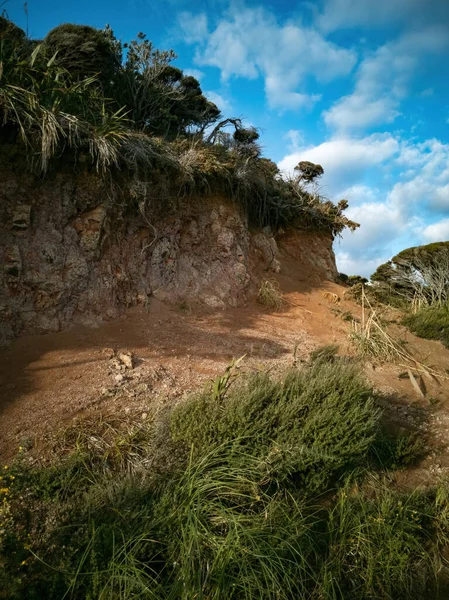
{"x": 82, "y": 94}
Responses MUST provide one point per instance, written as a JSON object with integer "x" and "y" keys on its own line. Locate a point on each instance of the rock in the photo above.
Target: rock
{"x": 161, "y": 295}
{"x": 13, "y": 262}
{"x": 127, "y": 359}
{"x": 214, "y": 302}
{"x": 22, "y": 217}
{"x": 119, "y": 378}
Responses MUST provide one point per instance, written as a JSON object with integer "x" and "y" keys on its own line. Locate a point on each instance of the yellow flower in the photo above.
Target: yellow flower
{"x": 5, "y": 467}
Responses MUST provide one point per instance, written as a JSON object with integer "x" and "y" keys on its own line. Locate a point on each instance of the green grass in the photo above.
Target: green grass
{"x": 431, "y": 323}
{"x": 307, "y": 427}
{"x": 256, "y": 488}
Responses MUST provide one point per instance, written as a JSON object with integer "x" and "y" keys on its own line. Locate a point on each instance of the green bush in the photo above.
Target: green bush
{"x": 307, "y": 427}
{"x": 431, "y": 323}
{"x": 220, "y": 519}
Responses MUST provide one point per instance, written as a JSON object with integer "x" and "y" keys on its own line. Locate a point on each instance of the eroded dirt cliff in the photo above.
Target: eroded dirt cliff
{"x": 72, "y": 254}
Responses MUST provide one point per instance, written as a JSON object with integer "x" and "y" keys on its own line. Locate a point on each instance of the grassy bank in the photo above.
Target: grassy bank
{"x": 431, "y": 323}
{"x": 254, "y": 488}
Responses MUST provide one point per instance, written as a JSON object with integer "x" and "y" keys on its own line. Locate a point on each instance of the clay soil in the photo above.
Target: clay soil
{"x": 48, "y": 381}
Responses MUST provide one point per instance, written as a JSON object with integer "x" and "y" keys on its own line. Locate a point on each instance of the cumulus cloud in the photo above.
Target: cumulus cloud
{"x": 250, "y": 43}
{"x": 382, "y": 81}
{"x": 344, "y": 159}
{"x": 223, "y": 104}
{"x": 424, "y": 187}
{"x": 353, "y": 265}
{"x": 193, "y": 27}
{"x": 392, "y": 215}
{"x": 437, "y": 232}
{"x": 194, "y": 73}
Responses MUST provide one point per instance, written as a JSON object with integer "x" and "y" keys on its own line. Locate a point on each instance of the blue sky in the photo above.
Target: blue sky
{"x": 359, "y": 86}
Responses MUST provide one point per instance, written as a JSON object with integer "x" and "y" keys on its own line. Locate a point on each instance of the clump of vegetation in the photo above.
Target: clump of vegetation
{"x": 352, "y": 280}
{"x": 417, "y": 281}
{"x": 270, "y": 295}
{"x": 253, "y": 494}
{"x": 324, "y": 353}
{"x": 431, "y": 323}
{"x": 310, "y": 426}
{"x": 82, "y": 96}
{"x": 418, "y": 276}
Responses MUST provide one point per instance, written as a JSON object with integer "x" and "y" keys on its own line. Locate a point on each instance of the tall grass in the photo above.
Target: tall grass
{"x": 267, "y": 494}
{"x": 431, "y": 323}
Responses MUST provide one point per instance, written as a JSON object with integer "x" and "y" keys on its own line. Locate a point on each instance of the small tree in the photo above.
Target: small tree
{"x": 420, "y": 272}
{"x": 308, "y": 172}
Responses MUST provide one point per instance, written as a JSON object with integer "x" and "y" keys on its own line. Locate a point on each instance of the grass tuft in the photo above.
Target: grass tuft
{"x": 270, "y": 296}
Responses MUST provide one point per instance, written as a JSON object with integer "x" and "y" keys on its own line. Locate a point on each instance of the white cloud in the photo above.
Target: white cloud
{"x": 193, "y": 27}
{"x": 425, "y": 188}
{"x": 382, "y": 81}
{"x": 194, "y": 73}
{"x": 393, "y": 214}
{"x": 437, "y": 232}
{"x": 223, "y": 104}
{"x": 295, "y": 139}
{"x": 358, "y": 266}
{"x": 249, "y": 43}
{"x": 344, "y": 159}
{"x": 359, "y": 194}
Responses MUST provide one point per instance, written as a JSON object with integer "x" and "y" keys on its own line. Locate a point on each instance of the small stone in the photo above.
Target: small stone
{"x": 126, "y": 358}
{"x": 119, "y": 378}
{"x": 22, "y": 217}
{"x": 144, "y": 416}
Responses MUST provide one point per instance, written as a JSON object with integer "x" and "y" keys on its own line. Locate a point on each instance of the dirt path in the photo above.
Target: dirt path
{"x": 46, "y": 381}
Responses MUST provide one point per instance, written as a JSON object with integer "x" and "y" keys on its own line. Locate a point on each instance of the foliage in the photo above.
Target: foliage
{"x": 352, "y": 280}
{"x": 308, "y": 171}
{"x": 83, "y": 51}
{"x": 308, "y": 427}
{"x": 110, "y": 517}
{"x": 419, "y": 274}
{"x": 270, "y": 296}
{"x": 431, "y": 323}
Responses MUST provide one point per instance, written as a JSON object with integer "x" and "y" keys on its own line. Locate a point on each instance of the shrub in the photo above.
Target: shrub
{"x": 307, "y": 427}
{"x": 431, "y": 323}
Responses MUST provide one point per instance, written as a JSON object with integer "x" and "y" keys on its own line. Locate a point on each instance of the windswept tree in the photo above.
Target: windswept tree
{"x": 420, "y": 272}
{"x": 308, "y": 172}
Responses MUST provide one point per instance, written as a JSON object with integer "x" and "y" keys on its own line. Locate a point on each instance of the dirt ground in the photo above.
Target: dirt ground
{"x": 47, "y": 381}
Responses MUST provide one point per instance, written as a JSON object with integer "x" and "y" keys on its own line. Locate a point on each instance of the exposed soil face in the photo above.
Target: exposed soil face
{"x": 75, "y": 251}
{"x": 47, "y": 381}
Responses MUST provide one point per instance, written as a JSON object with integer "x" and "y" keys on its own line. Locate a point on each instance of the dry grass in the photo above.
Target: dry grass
{"x": 373, "y": 340}
{"x": 270, "y": 295}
